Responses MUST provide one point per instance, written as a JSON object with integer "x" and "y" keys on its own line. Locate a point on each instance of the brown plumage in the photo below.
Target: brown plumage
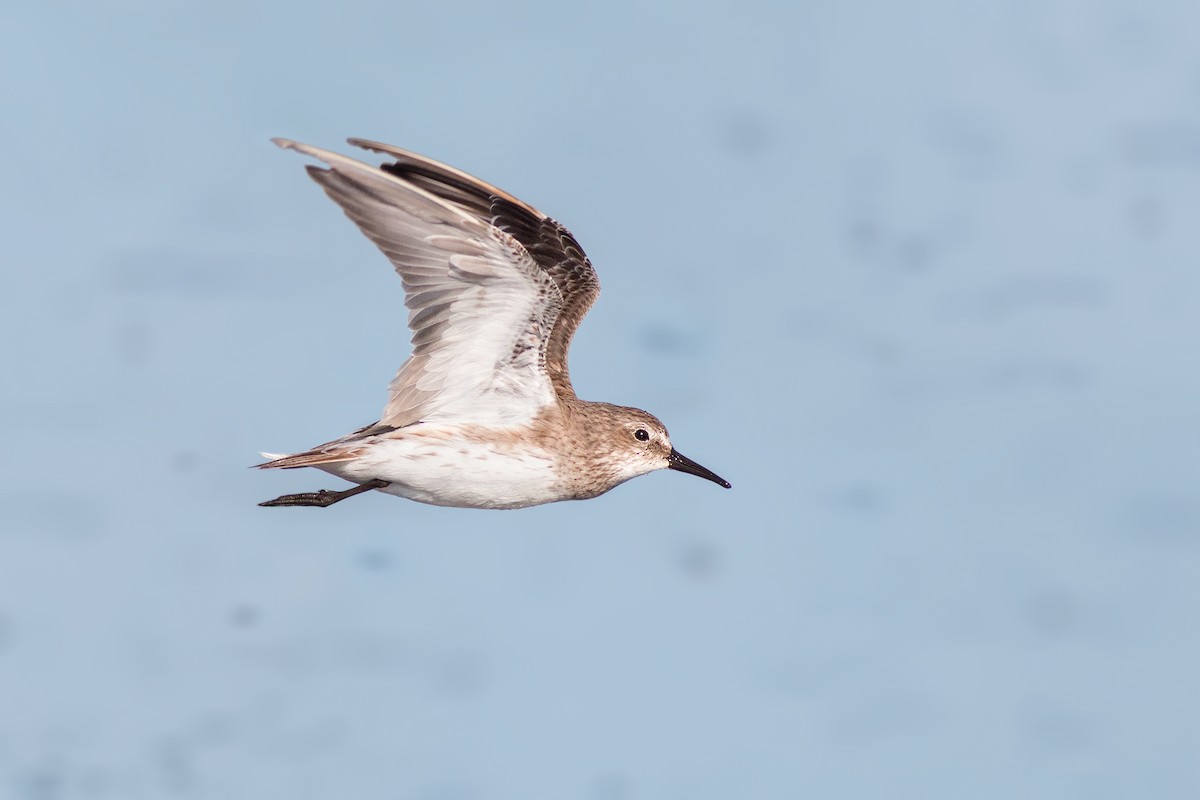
{"x": 483, "y": 413}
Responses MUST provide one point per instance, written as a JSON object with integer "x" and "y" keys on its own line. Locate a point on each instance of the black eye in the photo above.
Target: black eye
{"x": 641, "y": 435}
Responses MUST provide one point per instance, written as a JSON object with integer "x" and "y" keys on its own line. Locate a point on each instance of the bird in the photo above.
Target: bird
{"x": 482, "y": 414}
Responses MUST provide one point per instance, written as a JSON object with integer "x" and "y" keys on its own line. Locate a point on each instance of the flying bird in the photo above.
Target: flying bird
{"x": 482, "y": 414}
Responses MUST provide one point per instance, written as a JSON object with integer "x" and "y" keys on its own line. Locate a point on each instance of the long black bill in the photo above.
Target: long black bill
{"x": 678, "y": 461}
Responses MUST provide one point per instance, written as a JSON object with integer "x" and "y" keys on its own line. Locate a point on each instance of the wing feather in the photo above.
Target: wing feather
{"x": 476, "y": 298}
{"x": 550, "y": 244}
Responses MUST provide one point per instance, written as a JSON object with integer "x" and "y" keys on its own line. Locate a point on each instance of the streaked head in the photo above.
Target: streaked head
{"x": 634, "y": 443}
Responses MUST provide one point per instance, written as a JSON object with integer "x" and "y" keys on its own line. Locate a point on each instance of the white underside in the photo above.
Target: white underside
{"x": 448, "y": 471}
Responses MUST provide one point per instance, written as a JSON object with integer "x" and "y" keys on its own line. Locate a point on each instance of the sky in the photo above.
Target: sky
{"x": 919, "y": 279}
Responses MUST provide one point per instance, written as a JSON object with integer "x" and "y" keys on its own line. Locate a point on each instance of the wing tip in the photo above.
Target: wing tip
{"x": 308, "y": 150}
{"x": 366, "y": 144}
{"x": 383, "y": 148}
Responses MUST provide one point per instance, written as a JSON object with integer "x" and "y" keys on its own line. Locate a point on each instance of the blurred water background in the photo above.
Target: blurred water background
{"x": 919, "y": 278}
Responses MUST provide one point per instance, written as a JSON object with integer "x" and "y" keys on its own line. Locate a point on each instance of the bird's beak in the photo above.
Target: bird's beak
{"x": 678, "y": 461}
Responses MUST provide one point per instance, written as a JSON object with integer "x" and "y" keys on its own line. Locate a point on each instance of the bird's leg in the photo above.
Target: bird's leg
{"x": 324, "y": 497}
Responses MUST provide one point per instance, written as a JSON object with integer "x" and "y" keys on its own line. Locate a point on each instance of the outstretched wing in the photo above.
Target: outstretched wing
{"x": 552, "y": 247}
{"x": 490, "y": 292}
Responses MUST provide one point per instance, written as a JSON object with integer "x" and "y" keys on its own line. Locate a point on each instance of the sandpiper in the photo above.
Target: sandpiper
{"x": 482, "y": 414}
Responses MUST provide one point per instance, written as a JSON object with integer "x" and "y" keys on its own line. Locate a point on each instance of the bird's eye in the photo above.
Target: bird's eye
{"x": 641, "y": 434}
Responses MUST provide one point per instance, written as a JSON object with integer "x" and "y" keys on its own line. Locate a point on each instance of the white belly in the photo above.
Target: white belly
{"x": 444, "y": 470}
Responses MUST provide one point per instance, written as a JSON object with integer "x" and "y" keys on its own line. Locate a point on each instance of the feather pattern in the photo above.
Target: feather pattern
{"x": 552, "y": 247}
{"x": 494, "y": 288}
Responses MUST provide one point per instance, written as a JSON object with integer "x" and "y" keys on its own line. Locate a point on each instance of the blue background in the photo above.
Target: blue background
{"x": 920, "y": 279}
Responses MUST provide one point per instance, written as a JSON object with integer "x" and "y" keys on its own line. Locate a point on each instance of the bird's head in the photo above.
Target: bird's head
{"x": 630, "y": 442}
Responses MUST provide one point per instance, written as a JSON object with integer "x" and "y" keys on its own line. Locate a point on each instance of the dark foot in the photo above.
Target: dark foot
{"x": 324, "y": 497}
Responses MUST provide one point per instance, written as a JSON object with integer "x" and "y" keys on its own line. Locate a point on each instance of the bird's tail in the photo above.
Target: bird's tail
{"x": 310, "y": 458}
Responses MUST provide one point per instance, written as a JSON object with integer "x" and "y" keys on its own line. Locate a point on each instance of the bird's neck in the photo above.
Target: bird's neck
{"x": 585, "y": 453}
